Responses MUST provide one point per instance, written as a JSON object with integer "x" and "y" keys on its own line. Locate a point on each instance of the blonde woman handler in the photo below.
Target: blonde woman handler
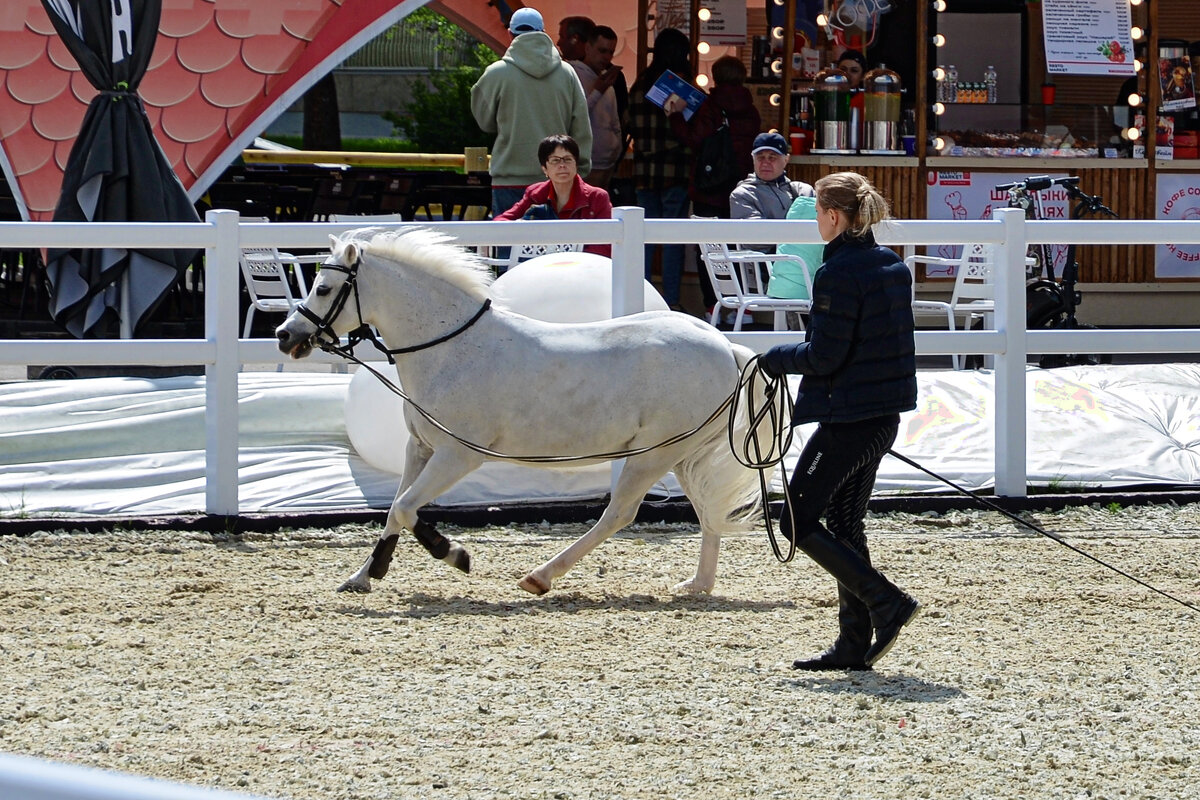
{"x": 858, "y": 368}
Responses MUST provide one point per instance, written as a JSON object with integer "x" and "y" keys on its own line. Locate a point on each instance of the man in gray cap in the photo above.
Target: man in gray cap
{"x": 767, "y": 193}
{"x": 527, "y": 95}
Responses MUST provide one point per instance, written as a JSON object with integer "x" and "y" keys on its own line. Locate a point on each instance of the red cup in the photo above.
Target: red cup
{"x": 1048, "y": 94}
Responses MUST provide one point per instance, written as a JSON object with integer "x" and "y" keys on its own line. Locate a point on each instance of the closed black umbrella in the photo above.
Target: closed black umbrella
{"x": 116, "y": 171}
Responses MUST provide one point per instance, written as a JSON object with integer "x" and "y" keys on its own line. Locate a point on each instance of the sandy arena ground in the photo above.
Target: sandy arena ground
{"x": 231, "y": 662}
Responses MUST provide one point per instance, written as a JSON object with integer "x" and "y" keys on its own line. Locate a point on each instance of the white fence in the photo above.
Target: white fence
{"x": 221, "y": 352}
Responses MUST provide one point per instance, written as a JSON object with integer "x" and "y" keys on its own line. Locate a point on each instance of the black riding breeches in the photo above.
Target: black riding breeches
{"x": 834, "y": 478}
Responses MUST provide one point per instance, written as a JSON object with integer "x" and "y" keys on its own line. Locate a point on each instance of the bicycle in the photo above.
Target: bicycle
{"x": 1050, "y": 303}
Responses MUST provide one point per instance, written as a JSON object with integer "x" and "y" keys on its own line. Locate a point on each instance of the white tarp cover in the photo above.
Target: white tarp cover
{"x": 133, "y": 446}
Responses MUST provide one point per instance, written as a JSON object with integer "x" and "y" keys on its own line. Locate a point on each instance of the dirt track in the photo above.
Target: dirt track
{"x": 231, "y": 662}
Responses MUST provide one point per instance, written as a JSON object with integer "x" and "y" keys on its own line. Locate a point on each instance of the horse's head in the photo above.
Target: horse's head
{"x": 323, "y": 317}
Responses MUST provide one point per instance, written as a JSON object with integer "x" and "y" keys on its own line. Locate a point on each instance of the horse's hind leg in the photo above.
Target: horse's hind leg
{"x": 432, "y": 473}
{"x": 636, "y": 478}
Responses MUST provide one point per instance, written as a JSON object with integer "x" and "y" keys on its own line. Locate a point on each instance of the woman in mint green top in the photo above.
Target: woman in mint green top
{"x": 787, "y": 279}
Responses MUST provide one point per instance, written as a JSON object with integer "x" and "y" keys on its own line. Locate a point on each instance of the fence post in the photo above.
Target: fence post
{"x": 220, "y": 378}
{"x": 1009, "y": 398}
{"x": 629, "y": 262}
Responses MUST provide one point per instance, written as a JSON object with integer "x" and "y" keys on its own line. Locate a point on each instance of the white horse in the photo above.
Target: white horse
{"x": 523, "y": 390}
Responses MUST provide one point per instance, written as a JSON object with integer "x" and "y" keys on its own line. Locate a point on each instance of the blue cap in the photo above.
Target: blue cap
{"x": 525, "y": 20}
{"x": 770, "y": 141}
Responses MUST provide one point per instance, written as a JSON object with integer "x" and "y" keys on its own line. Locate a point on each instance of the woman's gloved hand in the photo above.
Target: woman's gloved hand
{"x": 769, "y": 363}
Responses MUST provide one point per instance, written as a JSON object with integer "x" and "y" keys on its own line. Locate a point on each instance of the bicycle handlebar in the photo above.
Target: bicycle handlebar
{"x": 1037, "y": 183}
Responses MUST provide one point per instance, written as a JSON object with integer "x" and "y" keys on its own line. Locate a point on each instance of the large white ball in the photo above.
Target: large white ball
{"x": 556, "y": 287}
{"x": 375, "y": 419}
{"x": 564, "y": 287}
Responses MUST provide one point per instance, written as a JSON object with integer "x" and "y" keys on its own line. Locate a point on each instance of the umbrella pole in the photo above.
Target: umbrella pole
{"x": 126, "y": 326}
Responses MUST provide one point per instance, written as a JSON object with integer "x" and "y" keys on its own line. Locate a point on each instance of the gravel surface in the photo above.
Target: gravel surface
{"x": 231, "y": 662}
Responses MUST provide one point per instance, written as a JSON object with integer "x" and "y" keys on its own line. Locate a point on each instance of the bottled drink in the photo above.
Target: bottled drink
{"x": 951, "y": 84}
{"x": 989, "y": 78}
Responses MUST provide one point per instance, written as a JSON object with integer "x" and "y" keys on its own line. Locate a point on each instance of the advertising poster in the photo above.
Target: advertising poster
{"x": 973, "y": 195}
{"x": 1177, "y": 197}
{"x": 1087, "y": 37}
{"x": 1176, "y": 80}
{"x": 726, "y": 26}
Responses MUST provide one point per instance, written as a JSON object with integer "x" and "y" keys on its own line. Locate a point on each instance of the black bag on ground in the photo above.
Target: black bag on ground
{"x": 716, "y": 163}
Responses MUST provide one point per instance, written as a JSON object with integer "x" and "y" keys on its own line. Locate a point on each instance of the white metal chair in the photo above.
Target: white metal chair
{"x": 973, "y": 296}
{"x": 735, "y": 281}
{"x": 523, "y": 252}
{"x": 366, "y": 218}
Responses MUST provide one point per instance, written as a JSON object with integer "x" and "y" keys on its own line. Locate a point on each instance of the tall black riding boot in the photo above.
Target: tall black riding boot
{"x": 889, "y": 608}
{"x": 849, "y": 650}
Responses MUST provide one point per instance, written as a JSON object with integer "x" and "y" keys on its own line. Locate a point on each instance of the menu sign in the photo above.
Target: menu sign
{"x": 1087, "y": 37}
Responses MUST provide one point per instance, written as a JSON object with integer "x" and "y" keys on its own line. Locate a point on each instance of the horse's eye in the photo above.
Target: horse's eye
{"x": 323, "y": 290}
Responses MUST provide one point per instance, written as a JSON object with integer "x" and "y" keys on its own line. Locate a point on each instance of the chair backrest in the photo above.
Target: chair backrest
{"x": 265, "y": 272}
{"x": 973, "y": 275}
{"x": 723, "y": 273}
{"x": 366, "y": 218}
{"x": 524, "y": 252}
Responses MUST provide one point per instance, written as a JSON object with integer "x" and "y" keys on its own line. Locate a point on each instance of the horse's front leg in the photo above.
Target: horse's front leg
{"x": 432, "y": 473}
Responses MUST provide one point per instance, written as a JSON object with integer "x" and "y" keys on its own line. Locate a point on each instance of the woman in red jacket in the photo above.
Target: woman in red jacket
{"x": 565, "y": 195}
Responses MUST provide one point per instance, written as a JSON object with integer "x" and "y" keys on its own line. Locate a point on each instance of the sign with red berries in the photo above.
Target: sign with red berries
{"x": 1087, "y": 37}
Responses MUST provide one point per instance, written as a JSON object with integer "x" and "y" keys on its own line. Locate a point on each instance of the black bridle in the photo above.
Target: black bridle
{"x": 328, "y": 340}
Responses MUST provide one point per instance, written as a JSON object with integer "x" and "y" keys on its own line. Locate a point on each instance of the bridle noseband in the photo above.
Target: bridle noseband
{"x": 328, "y": 340}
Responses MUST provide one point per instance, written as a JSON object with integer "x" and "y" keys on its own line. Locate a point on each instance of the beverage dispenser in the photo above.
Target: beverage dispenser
{"x": 831, "y": 111}
{"x": 881, "y": 109}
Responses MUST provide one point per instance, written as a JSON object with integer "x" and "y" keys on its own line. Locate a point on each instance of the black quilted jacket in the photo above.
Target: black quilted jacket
{"x": 858, "y": 358}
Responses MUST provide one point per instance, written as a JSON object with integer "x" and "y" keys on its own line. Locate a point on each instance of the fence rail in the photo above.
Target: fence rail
{"x": 221, "y": 352}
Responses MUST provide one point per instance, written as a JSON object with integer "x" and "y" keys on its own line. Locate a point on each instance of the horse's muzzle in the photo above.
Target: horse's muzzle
{"x": 293, "y": 344}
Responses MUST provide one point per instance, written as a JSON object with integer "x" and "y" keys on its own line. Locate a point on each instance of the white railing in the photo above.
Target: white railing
{"x": 24, "y": 778}
{"x": 221, "y": 352}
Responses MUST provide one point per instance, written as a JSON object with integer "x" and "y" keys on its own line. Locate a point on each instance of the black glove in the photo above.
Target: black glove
{"x": 764, "y": 364}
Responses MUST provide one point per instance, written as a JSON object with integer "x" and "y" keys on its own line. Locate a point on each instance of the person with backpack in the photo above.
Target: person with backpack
{"x": 720, "y": 135}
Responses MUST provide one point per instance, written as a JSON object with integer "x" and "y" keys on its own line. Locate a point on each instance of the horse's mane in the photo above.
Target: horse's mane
{"x": 433, "y": 252}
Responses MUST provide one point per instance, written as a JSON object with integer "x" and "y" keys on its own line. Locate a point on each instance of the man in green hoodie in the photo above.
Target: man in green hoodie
{"x": 527, "y": 95}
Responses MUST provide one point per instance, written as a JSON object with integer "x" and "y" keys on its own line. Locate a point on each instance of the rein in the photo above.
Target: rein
{"x": 532, "y": 459}
{"x": 329, "y": 341}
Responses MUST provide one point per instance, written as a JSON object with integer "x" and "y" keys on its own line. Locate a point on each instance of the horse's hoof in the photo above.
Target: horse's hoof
{"x": 354, "y": 586}
{"x": 690, "y": 587}
{"x": 534, "y": 585}
{"x": 458, "y": 557}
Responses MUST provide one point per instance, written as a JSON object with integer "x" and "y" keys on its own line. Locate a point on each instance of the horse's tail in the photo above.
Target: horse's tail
{"x": 725, "y": 493}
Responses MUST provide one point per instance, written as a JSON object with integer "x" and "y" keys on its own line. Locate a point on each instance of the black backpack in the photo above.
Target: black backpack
{"x": 716, "y": 162}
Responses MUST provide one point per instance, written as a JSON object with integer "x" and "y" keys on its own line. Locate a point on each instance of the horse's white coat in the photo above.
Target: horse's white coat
{"x": 520, "y": 386}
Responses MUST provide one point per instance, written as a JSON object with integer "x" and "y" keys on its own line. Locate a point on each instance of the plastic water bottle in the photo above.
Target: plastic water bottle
{"x": 951, "y": 84}
{"x": 989, "y": 77}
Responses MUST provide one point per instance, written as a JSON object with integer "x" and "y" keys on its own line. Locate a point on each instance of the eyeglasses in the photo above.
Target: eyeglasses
{"x": 560, "y": 161}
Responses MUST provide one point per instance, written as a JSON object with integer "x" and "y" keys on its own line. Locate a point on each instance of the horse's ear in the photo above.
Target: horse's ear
{"x": 350, "y": 254}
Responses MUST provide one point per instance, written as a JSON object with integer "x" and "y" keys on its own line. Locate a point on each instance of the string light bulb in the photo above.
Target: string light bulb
{"x": 939, "y": 144}
{"x": 1136, "y": 33}
{"x": 939, "y": 74}
{"x": 704, "y": 15}
{"x": 938, "y": 109}
{"x": 702, "y": 80}
{"x": 939, "y": 5}
{"x": 775, "y": 99}
{"x": 777, "y": 66}
{"x": 1138, "y": 66}
{"x": 777, "y": 33}
{"x": 703, "y": 48}
{"x": 822, "y": 20}
{"x": 939, "y": 40}
{"x": 1134, "y": 100}
{"x": 1135, "y": 2}
{"x": 1132, "y": 134}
